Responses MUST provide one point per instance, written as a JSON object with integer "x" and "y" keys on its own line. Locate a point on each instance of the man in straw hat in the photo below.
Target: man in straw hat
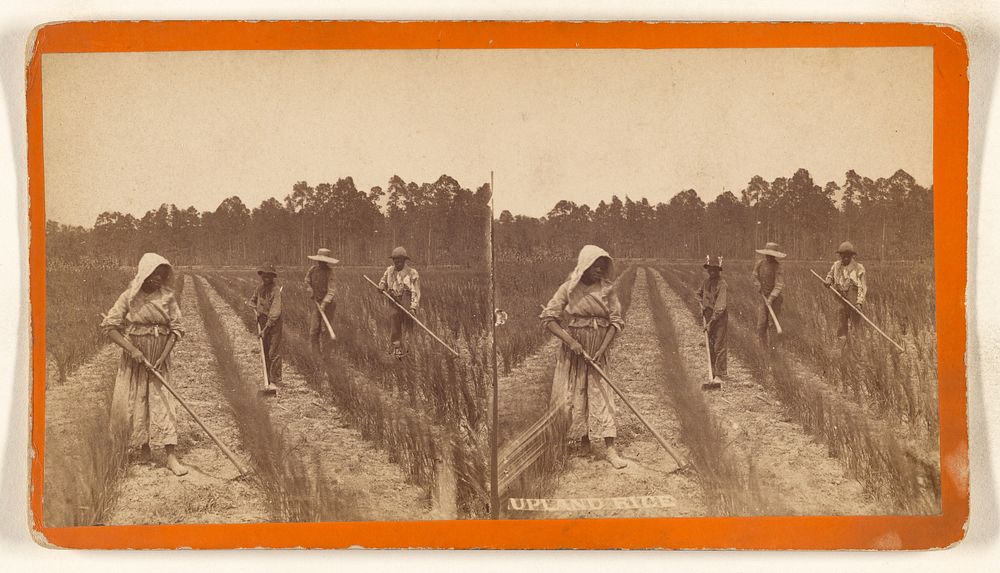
{"x": 848, "y": 277}
{"x": 402, "y": 282}
{"x": 319, "y": 282}
{"x": 266, "y": 301}
{"x": 713, "y": 297}
{"x": 769, "y": 279}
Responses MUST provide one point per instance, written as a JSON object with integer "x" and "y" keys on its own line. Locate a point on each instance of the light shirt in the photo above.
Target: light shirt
{"x": 400, "y": 282}
{"x": 846, "y": 276}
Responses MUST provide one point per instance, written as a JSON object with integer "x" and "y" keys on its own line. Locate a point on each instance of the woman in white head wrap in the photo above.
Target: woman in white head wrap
{"x": 586, "y": 315}
{"x": 146, "y": 322}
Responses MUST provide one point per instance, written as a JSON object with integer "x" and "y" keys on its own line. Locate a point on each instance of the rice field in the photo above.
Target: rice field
{"x": 431, "y": 408}
{"x": 355, "y": 414}
{"x": 872, "y": 407}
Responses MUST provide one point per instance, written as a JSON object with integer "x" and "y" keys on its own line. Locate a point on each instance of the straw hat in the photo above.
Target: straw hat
{"x": 712, "y": 262}
{"x": 323, "y": 255}
{"x": 399, "y": 253}
{"x": 772, "y": 249}
{"x": 267, "y": 269}
{"x": 846, "y": 247}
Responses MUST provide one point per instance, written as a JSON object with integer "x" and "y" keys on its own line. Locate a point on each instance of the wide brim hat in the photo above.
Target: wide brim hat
{"x": 772, "y": 250}
{"x": 323, "y": 255}
{"x": 267, "y": 269}
{"x": 846, "y": 247}
{"x": 399, "y": 253}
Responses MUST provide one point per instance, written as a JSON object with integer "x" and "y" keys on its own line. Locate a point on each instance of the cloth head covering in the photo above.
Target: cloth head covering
{"x": 399, "y": 252}
{"x": 324, "y": 255}
{"x": 588, "y": 255}
{"x": 846, "y": 247}
{"x": 147, "y": 264}
{"x": 772, "y": 249}
{"x": 268, "y": 268}
{"x": 713, "y": 262}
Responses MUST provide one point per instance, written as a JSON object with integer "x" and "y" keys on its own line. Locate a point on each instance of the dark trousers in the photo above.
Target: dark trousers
{"x": 847, "y": 318}
{"x": 717, "y": 341}
{"x": 399, "y": 322}
{"x": 317, "y": 328}
{"x": 764, "y": 317}
{"x": 272, "y": 349}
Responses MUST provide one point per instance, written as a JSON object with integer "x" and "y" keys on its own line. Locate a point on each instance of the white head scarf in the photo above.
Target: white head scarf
{"x": 147, "y": 264}
{"x": 588, "y": 254}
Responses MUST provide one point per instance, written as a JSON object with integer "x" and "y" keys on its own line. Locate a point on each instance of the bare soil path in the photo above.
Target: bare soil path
{"x": 209, "y": 493}
{"x": 314, "y": 431}
{"x": 792, "y": 473}
{"x": 635, "y": 366}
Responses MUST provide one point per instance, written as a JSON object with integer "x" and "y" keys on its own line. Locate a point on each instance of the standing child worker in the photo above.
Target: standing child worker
{"x": 848, "y": 277}
{"x": 769, "y": 279}
{"x": 266, "y": 301}
{"x": 585, "y": 314}
{"x": 713, "y": 297}
{"x": 319, "y": 283}
{"x": 146, "y": 322}
{"x": 402, "y": 283}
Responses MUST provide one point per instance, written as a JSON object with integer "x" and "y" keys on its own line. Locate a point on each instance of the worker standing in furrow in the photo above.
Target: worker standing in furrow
{"x": 402, "y": 282}
{"x": 769, "y": 279}
{"x": 319, "y": 283}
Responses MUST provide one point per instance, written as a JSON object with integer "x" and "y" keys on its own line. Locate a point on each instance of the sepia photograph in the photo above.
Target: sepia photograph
{"x": 496, "y": 285}
{"x": 717, "y": 273}
{"x": 267, "y": 278}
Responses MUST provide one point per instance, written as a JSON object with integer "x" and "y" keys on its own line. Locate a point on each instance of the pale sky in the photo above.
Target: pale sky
{"x": 128, "y": 132}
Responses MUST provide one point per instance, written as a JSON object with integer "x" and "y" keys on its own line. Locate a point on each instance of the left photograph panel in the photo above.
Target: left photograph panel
{"x": 267, "y": 290}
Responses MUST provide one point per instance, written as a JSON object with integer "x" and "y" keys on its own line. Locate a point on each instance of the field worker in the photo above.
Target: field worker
{"x": 146, "y": 322}
{"x": 712, "y": 295}
{"x": 402, "y": 283}
{"x": 586, "y": 315}
{"x": 769, "y": 280}
{"x": 266, "y": 301}
{"x": 319, "y": 283}
{"x": 848, "y": 277}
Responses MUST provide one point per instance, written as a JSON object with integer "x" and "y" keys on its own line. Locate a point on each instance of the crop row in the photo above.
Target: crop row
{"x": 430, "y": 407}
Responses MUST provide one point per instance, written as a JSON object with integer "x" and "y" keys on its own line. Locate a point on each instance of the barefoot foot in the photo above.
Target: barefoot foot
{"x": 175, "y": 466}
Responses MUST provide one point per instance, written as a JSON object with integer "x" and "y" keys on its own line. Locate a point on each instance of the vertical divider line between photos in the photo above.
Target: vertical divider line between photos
{"x": 495, "y": 407}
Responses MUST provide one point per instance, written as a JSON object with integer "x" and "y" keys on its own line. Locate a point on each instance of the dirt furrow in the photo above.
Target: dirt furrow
{"x": 368, "y": 485}
{"x": 795, "y": 475}
{"x": 209, "y": 493}
{"x": 636, "y": 367}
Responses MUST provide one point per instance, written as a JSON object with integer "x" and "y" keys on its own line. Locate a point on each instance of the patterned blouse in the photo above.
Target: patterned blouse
{"x": 852, "y": 275}
{"x": 400, "y": 282}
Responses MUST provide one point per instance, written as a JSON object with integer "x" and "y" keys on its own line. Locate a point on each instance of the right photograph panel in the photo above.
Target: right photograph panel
{"x": 714, "y": 278}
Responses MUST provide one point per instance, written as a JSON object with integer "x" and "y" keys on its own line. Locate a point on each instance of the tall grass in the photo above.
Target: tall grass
{"x": 74, "y": 298}
{"x": 890, "y": 474}
{"x": 428, "y": 408}
{"x": 83, "y": 467}
{"x": 82, "y": 472}
{"x": 899, "y": 388}
{"x": 521, "y": 289}
{"x": 729, "y": 490}
{"x": 296, "y": 489}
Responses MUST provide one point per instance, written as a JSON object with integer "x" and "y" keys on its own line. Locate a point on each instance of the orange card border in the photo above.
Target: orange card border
{"x": 951, "y": 124}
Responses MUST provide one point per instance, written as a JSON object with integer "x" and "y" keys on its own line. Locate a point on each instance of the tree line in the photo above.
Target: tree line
{"x": 886, "y": 218}
{"x": 439, "y": 223}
